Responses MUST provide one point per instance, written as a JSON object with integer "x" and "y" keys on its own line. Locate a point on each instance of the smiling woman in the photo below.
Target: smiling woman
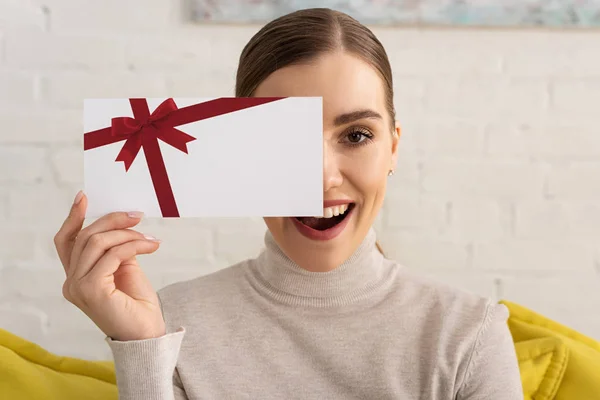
{"x": 321, "y": 53}
{"x": 320, "y": 313}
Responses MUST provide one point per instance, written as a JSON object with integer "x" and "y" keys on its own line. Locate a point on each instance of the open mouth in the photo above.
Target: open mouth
{"x": 324, "y": 223}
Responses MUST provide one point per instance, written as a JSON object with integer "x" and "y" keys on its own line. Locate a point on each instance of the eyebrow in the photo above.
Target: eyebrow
{"x": 344, "y": 119}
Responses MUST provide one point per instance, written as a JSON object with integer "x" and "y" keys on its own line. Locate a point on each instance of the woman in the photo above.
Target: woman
{"x": 320, "y": 313}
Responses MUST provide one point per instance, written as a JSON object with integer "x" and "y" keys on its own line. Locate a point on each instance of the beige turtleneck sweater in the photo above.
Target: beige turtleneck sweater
{"x": 370, "y": 329}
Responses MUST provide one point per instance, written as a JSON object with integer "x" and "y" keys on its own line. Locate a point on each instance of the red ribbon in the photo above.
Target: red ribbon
{"x": 145, "y": 128}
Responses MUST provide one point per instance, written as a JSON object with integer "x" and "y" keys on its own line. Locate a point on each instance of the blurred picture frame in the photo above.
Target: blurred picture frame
{"x": 476, "y": 13}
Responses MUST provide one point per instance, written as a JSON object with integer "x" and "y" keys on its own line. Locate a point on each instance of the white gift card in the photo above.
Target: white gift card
{"x": 188, "y": 157}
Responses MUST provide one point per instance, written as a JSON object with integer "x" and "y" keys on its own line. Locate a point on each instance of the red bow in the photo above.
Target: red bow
{"x": 145, "y": 126}
{"x": 144, "y": 130}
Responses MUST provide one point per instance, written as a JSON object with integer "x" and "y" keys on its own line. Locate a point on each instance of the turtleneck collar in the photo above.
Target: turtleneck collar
{"x": 358, "y": 275}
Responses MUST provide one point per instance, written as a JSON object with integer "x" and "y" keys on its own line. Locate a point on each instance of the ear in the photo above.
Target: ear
{"x": 395, "y": 140}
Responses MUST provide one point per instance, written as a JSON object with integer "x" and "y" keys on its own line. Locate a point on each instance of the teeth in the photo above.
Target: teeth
{"x": 330, "y": 212}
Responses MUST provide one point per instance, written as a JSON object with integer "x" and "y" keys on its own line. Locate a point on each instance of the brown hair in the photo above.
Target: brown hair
{"x": 302, "y": 36}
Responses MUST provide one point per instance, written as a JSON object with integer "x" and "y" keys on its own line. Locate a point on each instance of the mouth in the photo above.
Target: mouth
{"x": 327, "y": 227}
{"x": 331, "y": 217}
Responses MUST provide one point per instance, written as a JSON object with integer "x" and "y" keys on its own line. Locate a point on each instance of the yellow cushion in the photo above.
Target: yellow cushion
{"x": 27, "y": 371}
{"x": 542, "y": 363}
{"x": 556, "y": 362}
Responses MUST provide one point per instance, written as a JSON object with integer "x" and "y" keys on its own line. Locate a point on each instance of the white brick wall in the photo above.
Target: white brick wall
{"x": 497, "y": 190}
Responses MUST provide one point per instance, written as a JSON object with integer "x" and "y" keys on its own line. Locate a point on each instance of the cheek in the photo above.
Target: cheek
{"x": 367, "y": 171}
{"x": 275, "y": 224}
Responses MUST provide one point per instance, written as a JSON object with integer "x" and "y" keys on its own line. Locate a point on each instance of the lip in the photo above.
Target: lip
{"x": 331, "y": 203}
{"x": 328, "y": 234}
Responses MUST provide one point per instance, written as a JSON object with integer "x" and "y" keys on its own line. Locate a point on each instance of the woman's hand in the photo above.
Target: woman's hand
{"x": 104, "y": 279}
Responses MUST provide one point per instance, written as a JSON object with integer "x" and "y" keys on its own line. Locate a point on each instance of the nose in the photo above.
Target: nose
{"x": 332, "y": 175}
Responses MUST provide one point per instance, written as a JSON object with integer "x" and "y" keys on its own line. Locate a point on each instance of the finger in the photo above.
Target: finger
{"x": 112, "y": 259}
{"x": 99, "y": 243}
{"x": 139, "y": 282}
{"x": 108, "y": 222}
{"x": 65, "y": 237}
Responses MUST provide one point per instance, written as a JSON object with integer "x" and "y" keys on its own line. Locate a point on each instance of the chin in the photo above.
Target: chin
{"x": 316, "y": 243}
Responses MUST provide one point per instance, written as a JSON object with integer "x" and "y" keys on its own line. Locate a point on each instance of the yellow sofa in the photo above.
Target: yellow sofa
{"x": 28, "y": 372}
{"x": 555, "y": 362}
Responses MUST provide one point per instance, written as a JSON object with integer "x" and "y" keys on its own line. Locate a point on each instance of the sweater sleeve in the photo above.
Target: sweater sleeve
{"x": 145, "y": 369}
{"x": 493, "y": 369}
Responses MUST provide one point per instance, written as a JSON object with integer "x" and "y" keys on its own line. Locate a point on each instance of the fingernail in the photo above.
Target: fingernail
{"x": 78, "y": 197}
{"x": 152, "y": 238}
{"x": 135, "y": 214}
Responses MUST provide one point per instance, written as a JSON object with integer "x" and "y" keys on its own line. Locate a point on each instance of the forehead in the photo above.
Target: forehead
{"x": 345, "y": 82}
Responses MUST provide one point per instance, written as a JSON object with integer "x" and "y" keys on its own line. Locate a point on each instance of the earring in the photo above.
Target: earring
{"x": 391, "y": 172}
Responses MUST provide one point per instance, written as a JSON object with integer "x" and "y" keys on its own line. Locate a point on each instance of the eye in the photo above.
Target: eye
{"x": 357, "y": 137}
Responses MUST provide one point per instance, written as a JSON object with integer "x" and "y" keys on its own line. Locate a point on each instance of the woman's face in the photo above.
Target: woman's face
{"x": 359, "y": 149}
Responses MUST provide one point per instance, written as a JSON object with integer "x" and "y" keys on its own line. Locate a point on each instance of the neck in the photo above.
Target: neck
{"x": 347, "y": 280}
{"x": 320, "y": 260}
